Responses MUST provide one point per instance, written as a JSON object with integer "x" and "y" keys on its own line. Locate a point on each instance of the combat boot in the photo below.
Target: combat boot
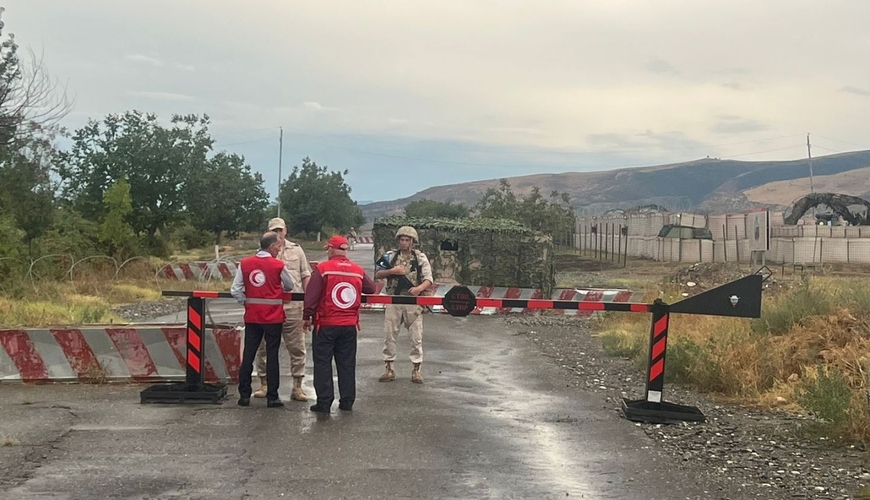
{"x": 416, "y": 375}
{"x": 298, "y": 394}
{"x": 389, "y": 375}
{"x": 261, "y": 392}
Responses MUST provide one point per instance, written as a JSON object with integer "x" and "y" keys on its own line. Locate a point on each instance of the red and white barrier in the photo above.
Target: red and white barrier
{"x": 365, "y": 239}
{"x": 137, "y": 353}
{"x": 199, "y": 270}
{"x": 490, "y": 292}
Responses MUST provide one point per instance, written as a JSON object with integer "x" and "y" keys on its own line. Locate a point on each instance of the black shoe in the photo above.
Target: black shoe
{"x": 274, "y": 403}
{"x": 345, "y": 407}
{"x": 244, "y": 401}
{"x": 319, "y": 409}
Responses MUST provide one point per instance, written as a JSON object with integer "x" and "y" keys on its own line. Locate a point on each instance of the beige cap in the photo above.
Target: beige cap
{"x": 276, "y": 223}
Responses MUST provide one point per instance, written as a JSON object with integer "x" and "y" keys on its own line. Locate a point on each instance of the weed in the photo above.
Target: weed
{"x": 8, "y": 441}
{"x": 94, "y": 373}
{"x": 826, "y": 393}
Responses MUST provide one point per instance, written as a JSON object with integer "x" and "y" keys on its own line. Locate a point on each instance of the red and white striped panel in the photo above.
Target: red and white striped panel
{"x": 365, "y": 239}
{"x": 139, "y": 353}
{"x": 199, "y": 271}
{"x": 571, "y": 294}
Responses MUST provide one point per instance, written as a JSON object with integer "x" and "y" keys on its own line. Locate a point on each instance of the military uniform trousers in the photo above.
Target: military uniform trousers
{"x": 411, "y": 316}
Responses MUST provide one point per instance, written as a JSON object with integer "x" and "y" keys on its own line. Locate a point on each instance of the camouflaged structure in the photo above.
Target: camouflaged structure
{"x": 476, "y": 251}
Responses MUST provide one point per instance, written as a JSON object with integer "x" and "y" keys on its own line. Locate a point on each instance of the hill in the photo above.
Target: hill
{"x": 709, "y": 185}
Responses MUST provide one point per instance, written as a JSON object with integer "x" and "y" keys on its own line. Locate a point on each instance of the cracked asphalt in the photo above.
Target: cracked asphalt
{"x": 495, "y": 419}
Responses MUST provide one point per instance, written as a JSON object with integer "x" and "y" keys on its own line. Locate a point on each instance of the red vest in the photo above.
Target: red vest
{"x": 263, "y": 290}
{"x": 342, "y": 292}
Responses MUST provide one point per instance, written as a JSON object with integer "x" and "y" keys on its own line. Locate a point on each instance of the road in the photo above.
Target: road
{"x": 494, "y": 419}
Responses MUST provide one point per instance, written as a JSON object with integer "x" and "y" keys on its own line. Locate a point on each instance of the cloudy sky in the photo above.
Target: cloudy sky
{"x": 407, "y": 94}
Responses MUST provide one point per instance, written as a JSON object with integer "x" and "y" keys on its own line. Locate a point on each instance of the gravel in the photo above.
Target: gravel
{"x": 746, "y": 453}
{"x": 145, "y": 311}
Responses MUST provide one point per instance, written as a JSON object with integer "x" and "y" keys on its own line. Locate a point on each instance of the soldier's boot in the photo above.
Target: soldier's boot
{"x": 298, "y": 394}
{"x": 389, "y": 375}
{"x": 261, "y": 392}
{"x": 416, "y": 375}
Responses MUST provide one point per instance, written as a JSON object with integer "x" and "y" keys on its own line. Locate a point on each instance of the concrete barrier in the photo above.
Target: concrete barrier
{"x": 141, "y": 353}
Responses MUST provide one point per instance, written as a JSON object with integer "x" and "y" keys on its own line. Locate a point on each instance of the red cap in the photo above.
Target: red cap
{"x": 337, "y": 241}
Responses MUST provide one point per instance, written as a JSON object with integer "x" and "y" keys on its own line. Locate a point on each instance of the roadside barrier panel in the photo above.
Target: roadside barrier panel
{"x": 740, "y": 298}
{"x": 135, "y": 353}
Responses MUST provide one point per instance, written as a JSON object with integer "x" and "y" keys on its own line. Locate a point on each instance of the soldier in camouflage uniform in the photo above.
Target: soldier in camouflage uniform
{"x": 408, "y": 272}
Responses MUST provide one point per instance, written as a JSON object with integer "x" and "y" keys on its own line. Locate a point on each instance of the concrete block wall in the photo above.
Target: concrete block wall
{"x": 789, "y": 244}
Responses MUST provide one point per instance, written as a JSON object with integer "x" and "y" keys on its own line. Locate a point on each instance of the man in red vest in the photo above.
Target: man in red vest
{"x": 259, "y": 284}
{"x": 332, "y": 302}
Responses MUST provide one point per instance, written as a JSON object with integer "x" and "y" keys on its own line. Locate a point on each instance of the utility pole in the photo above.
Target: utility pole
{"x": 281, "y": 157}
{"x": 810, "y": 159}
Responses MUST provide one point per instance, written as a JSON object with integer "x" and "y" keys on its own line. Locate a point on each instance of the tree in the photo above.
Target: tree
{"x": 228, "y": 196}
{"x": 159, "y": 162}
{"x": 29, "y": 111}
{"x": 439, "y": 209}
{"x": 554, "y": 216}
{"x": 28, "y": 96}
{"x": 498, "y": 203}
{"x": 115, "y": 232}
{"x": 315, "y": 197}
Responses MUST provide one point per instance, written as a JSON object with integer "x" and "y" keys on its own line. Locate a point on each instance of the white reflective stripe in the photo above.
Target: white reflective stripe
{"x": 342, "y": 273}
{"x": 654, "y": 396}
{"x": 265, "y": 302}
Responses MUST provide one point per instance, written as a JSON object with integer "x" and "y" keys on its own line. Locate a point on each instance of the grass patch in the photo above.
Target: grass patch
{"x": 6, "y": 441}
{"x": 808, "y": 352}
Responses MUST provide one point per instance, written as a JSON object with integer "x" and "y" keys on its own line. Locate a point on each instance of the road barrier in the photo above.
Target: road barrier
{"x": 140, "y": 353}
{"x": 740, "y": 298}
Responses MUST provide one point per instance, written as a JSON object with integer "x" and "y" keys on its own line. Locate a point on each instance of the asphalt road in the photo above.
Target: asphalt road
{"x": 494, "y": 419}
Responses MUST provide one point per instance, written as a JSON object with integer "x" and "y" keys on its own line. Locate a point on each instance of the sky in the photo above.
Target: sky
{"x": 411, "y": 94}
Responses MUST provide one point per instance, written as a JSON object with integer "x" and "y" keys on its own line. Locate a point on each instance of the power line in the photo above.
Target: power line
{"x": 766, "y": 151}
{"x": 842, "y": 141}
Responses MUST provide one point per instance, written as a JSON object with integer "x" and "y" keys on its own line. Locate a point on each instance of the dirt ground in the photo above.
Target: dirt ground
{"x": 749, "y": 452}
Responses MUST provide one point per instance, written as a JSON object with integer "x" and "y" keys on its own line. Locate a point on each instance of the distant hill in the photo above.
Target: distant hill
{"x": 707, "y": 185}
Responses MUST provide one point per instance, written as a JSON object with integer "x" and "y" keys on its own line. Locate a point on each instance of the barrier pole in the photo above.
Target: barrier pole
{"x": 193, "y": 389}
{"x": 652, "y": 408}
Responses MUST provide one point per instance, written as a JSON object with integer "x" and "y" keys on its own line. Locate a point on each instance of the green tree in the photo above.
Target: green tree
{"x": 29, "y": 111}
{"x": 440, "y": 209}
{"x": 554, "y": 216}
{"x": 228, "y": 196}
{"x": 115, "y": 232}
{"x": 499, "y": 203}
{"x": 314, "y": 198}
{"x": 159, "y": 163}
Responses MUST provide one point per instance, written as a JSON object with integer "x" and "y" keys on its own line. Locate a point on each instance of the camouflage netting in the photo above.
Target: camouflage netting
{"x": 490, "y": 252}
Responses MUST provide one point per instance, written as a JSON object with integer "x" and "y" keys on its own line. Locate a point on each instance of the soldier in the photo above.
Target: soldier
{"x": 407, "y": 272}
{"x": 293, "y": 257}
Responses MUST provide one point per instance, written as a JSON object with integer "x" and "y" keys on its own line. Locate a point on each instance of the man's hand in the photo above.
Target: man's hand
{"x": 398, "y": 271}
{"x": 306, "y": 325}
{"x": 415, "y": 291}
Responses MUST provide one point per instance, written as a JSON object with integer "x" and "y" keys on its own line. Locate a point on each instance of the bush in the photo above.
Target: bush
{"x": 793, "y": 308}
{"x": 188, "y": 238}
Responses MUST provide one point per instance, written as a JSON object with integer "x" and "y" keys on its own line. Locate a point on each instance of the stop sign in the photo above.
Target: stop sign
{"x": 459, "y": 301}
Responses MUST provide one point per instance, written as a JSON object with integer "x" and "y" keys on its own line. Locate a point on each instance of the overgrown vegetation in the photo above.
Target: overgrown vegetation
{"x": 808, "y": 351}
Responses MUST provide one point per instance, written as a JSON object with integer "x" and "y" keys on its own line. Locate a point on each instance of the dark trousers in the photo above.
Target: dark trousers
{"x": 338, "y": 342}
{"x": 254, "y": 334}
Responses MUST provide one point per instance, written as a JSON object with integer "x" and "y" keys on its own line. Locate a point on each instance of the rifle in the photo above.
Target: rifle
{"x": 403, "y": 284}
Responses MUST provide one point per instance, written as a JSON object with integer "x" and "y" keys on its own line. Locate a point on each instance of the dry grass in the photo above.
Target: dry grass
{"x": 89, "y": 298}
{"x": 8, "y": 441}
{"x": 810, "y": 350}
